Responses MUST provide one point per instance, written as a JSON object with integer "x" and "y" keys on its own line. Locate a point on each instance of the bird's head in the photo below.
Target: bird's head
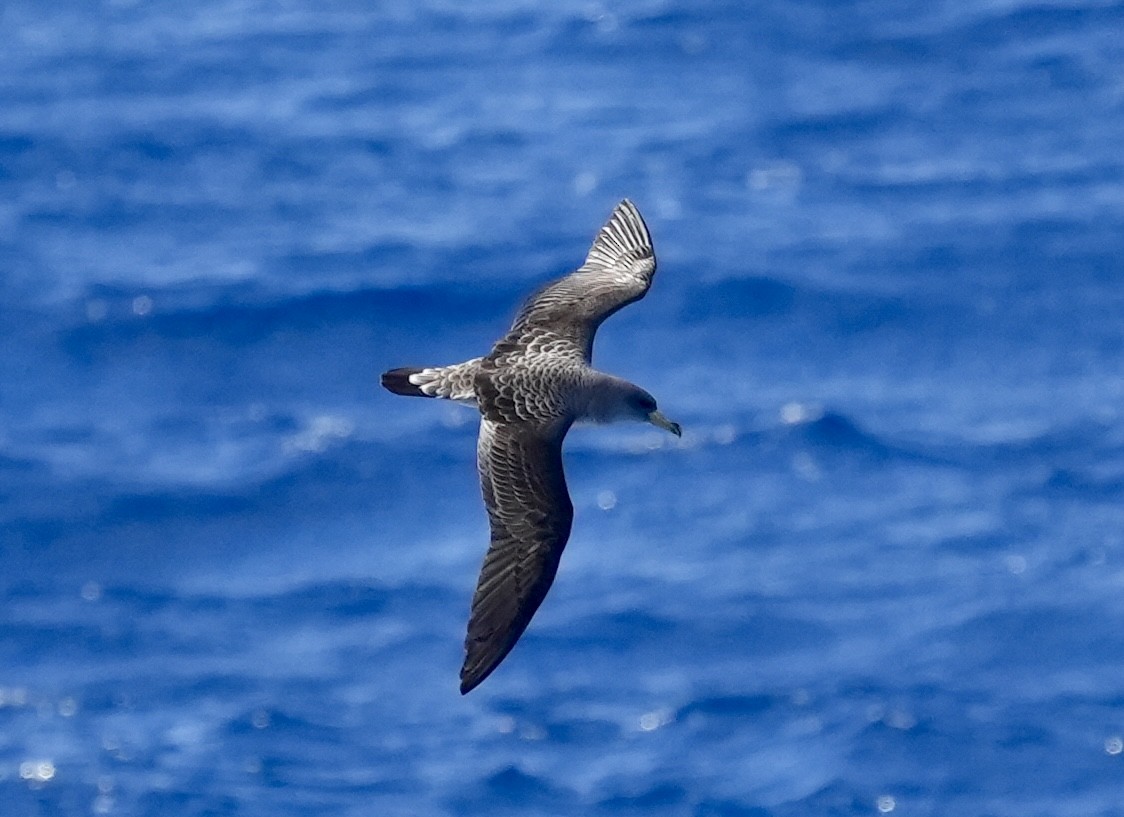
{"x": 642, "y": 407}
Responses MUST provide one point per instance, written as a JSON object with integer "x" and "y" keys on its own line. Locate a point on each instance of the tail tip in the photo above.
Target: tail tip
{"x": 398, "y": 381}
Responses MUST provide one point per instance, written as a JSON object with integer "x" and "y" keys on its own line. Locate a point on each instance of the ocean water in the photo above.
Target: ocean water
{"x": 882, "y": 572}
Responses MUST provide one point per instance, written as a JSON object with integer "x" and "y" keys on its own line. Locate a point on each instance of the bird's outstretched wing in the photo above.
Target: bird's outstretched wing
{"x": 617, "y": 271}
{"x": 530, "y": 513}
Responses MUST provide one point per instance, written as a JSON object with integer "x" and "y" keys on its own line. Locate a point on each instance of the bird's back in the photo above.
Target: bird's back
{"x": 532, "y": 383}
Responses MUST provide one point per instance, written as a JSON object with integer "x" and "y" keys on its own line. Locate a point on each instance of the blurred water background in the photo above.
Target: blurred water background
{"x": 883, "y": 572}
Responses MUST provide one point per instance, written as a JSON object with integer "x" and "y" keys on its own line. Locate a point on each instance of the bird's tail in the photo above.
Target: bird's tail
{"x": 450, "y": 382}
{"x": 398, "y": 381}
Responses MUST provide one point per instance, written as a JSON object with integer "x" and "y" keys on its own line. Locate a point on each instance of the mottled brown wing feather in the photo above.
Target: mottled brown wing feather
{"x": 617, "y": 272}
{"x": 530, "y": 513}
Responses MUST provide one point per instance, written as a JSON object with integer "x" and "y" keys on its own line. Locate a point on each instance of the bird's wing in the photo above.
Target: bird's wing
{"x": 617, "y": 271}
{"x": 530, "y": 512}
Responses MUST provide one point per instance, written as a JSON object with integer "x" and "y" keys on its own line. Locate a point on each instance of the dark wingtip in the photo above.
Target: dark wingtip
{"x": 398, "y": 381}
{"x": 470, "y": 679}
{"x": 479, "y": 665}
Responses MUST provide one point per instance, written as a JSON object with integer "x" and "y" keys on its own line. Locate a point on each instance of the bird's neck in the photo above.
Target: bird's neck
{"x": 604, "y": 398}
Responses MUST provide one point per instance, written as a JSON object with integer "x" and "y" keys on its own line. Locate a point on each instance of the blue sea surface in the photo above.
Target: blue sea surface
{"x": 882, "y": 572}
